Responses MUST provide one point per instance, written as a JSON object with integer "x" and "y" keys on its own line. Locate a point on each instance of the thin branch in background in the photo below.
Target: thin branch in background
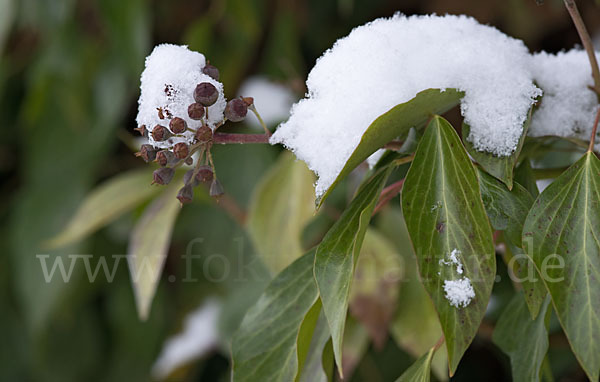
{"x": 594, "y": 129}
{"x": 227, "y": 138}
{"x": 388, "y": 194}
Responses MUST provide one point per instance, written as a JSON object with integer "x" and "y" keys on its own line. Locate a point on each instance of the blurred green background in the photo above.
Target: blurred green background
{"x": 69, "y": 82}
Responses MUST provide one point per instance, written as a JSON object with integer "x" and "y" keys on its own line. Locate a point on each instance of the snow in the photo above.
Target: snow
{"x": 168, "y": 82}
{"x": 453, "y": 259}
{"x": 387, "y": 62}
{"x": 199, "y": 336}
{"x": 459, "y": 292}
{"x": 568, "y": 107}
{"x": 272, "y": 100}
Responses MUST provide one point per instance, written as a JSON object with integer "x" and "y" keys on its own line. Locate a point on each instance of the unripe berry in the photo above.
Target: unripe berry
{"x": 206, "y": 93}
{"x": 216, "y": 189}
{"x": 161, "y": 133}
{"x": 196, "y": 111}
{"x": 181, "y": 150}
{"x": 177, "y": 125}
{"x": 186, "y": 194}
{"x": 163, "y": 175}
{"x": 236, "y": 110}
{"x": 205, "y": 174}
{"x": 204, "y": 134}
{"x": 211, "y": 71}
{"x": 165, "y": 157}
{"x": 147, "y": 153}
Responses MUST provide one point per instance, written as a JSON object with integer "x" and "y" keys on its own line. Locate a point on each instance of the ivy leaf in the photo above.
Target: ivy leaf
{"x": 281, "y": 205}
{"x": 396, "y": 123}
{"x": 507, "y": 209}
{"x": 274, "y": 335}
{"x": 337, "y": 255}
{"x": 420, "y": 371}
{"x": 524, "y": 340}
{"x": 561, "y": 234}
{"x": 312, "y": 368}
{"x": 524, "y": 175}
{"x": 106, "y": 203}
{"x": 444, "y": 215}
{"x": 148, "y": 247}
{"x": 499, "y": 167}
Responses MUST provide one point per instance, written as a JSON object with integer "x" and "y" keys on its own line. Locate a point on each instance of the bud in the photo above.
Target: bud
{"x": 163, "y": 175}
{"x": 142, "y": 130}
{"x": 187, "y": 179}
{"x": 211, "y": 71}
{"x": 205, "y": 174}
{"x": 161, "y": 133}
{"x": 216, "y": 189}
{"x": 236, "y": 110}
{"x": 206, "y": 93}
{"x": 204, "y": 134}
{"x": 196, "y": 111}
{"x": 189, "y": 161}
{"x": 177, "y": 125}
{"x": 147, "y": 153}
{"x": 186, "y": 194}
{"x": 165, "y": 157}
{"x": 249, "y": 101}
{"x": 181, "y": 150}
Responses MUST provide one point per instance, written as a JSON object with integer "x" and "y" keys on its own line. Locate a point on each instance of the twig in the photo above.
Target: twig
{"x": 439, "y": 343}
{"x": 226, "y": 138}
{"x": 388, "y": 194}
{"x": 394, "y": 145}
{"x": 586, "y": 40}
{"x": 230, "y": 206}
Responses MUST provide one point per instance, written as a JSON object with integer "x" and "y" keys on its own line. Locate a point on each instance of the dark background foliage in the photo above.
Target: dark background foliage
{"x": 69, "y": 79}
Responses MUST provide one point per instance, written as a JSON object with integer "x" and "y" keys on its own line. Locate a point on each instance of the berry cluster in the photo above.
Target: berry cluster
{"x": 171, "y": 155}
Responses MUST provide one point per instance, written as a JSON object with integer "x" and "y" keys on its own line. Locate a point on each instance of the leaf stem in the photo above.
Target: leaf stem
{"x": 388, "y": 194}
{"x": 260, "y": 120}
{"x": 226, "y": 138}
{"x": 586, "y": 40}
{"x": 439, "y": 343}
{"x": 594, "y": 129}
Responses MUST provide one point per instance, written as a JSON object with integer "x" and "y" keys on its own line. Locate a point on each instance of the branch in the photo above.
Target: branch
{"x": 226, "y": 138}
{"x": 586, "y": 40}
{"x": 388, "y": 194}
{"x": 593, "y": 137}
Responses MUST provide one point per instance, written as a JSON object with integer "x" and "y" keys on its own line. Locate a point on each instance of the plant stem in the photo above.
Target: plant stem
{"x": 586, "y": 40}
{"x": 594, "y": 129}
{"x": 393, "y": 145}
{"x": 226, "y": 138}
{"x": 439, "y": 343}
{"x": 388, "y": 194}
{"x": 260, "y": 120}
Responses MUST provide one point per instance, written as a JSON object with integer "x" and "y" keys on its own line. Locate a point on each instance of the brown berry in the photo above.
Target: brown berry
{"x": 205, "y": 174}
{"x": 186, "y": 194}
{"x": 161, "y": 133}
{"x": 196, "y": 111}
{"x": 181, "y": 150}
{"x": 163, "y": 175}
{"x": 204, "y": 134}
{"x": 147, "y": 153}
{"x": 187, "y": 178}
{"x": 177, "y": 125}
{"x": 236, "y": 110}
{"x": 165, "y": 157}
{"x": 216, "y": 189}
{"x": 211, "y": 71}
{"x": 206, "y": 93}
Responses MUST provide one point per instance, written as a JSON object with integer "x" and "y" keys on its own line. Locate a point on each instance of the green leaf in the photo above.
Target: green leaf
{"x": 311, "y": 368}
{"x": 416, "y": 325}
{"x": 281, "y": 205}
{"x": 420, "y": 371}
{"x": 524, "y": 340}
{"x": 267, "y": 346}
{"x": 356, "y": 344}
{"x": 524, "y": 175}
{"x": 444, "y": 214}
{"x": 396, "y": 123}
{"x": 106, "y": 203}
{"x": 507, "y": 209}
{"x": 499, "y": 167}
{"x": 148, "y": 247}
{"x": 374, "y": 291}
{"x": 561, "y": 233}
{"x": 337, "y": 254}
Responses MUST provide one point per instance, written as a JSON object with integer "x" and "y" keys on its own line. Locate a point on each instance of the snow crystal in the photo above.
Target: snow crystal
{"x": 453, "y": 260}
{"x": 568, "y": 107}
{"x": 168, "y": 82}
{"x": 199, "y": 335}
{"x": 271, "y": 99}
{"x": 387, "y": 62}
{"x": 459, "y": 292}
